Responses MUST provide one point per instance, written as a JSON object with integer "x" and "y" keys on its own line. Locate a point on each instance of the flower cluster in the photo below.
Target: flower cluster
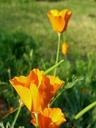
{"x": 36, "y": 91}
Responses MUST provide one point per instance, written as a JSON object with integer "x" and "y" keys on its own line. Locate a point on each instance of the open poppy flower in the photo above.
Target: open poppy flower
{"x": 36, "y": 89}
{"x": 59, "y": 19}
{"x": 49, "y": 118}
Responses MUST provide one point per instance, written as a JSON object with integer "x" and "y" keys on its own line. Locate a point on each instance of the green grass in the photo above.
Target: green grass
{"x": 31, "y": 18}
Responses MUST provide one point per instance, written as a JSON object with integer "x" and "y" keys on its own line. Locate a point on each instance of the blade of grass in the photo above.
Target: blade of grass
{"x": 53, "y": 67}
{"x": 86, "y": 109}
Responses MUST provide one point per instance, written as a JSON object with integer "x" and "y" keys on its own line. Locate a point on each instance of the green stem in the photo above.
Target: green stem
{"x": 86, "y": 109}
{"x": 52, "y": 102}
{"x": 17, "y": 114}
{"x": 53, "y": 67}
{"x": 57, "y": 54}
{"x": 36, "y": 116}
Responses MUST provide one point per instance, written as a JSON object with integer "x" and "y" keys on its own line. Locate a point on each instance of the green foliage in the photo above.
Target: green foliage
{"x": 16, "y": 55}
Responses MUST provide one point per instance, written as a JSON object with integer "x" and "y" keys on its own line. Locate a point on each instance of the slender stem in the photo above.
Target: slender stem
{"x": 57, "y": 54}
{"x": 86, "y": 109}
{"x": 16, "y": 116}
{"x": 53, "y": 67}
{"x": 55, "y": 98}
{"x": 36, "y": 117}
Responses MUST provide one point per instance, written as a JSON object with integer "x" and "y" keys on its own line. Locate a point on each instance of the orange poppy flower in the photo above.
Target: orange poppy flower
{"x": 36, "y": 89}
{"x": 49, "y": 118}
{"x": 59, "y": 19}
{"x": 65, "y": 48}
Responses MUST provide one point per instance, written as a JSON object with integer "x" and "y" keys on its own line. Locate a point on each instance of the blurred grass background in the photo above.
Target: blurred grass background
{"x": 27, "y": 41}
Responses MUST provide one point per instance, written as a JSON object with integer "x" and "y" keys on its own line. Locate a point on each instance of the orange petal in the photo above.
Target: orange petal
{"x": 36, "y": 106}
{"x": 56, "y": 83}
{"x": 45, "y": 91}
{"x": 57, "y": 22}
{"x": 56, "y": 115}
{"x": 21, "y": 80}
{"x": 67, "y": 17}
{"x": 48, "y": 89}
{"x": 49, "y": 118}
{"x": 35, "y": 76}
{"x": 43, "y": 121}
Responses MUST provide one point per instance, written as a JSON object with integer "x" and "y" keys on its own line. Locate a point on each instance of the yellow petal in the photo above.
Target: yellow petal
{"x": 36, "y": 106}
{"x": 54, "y": 12}
{"x": 25, "y": 95}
